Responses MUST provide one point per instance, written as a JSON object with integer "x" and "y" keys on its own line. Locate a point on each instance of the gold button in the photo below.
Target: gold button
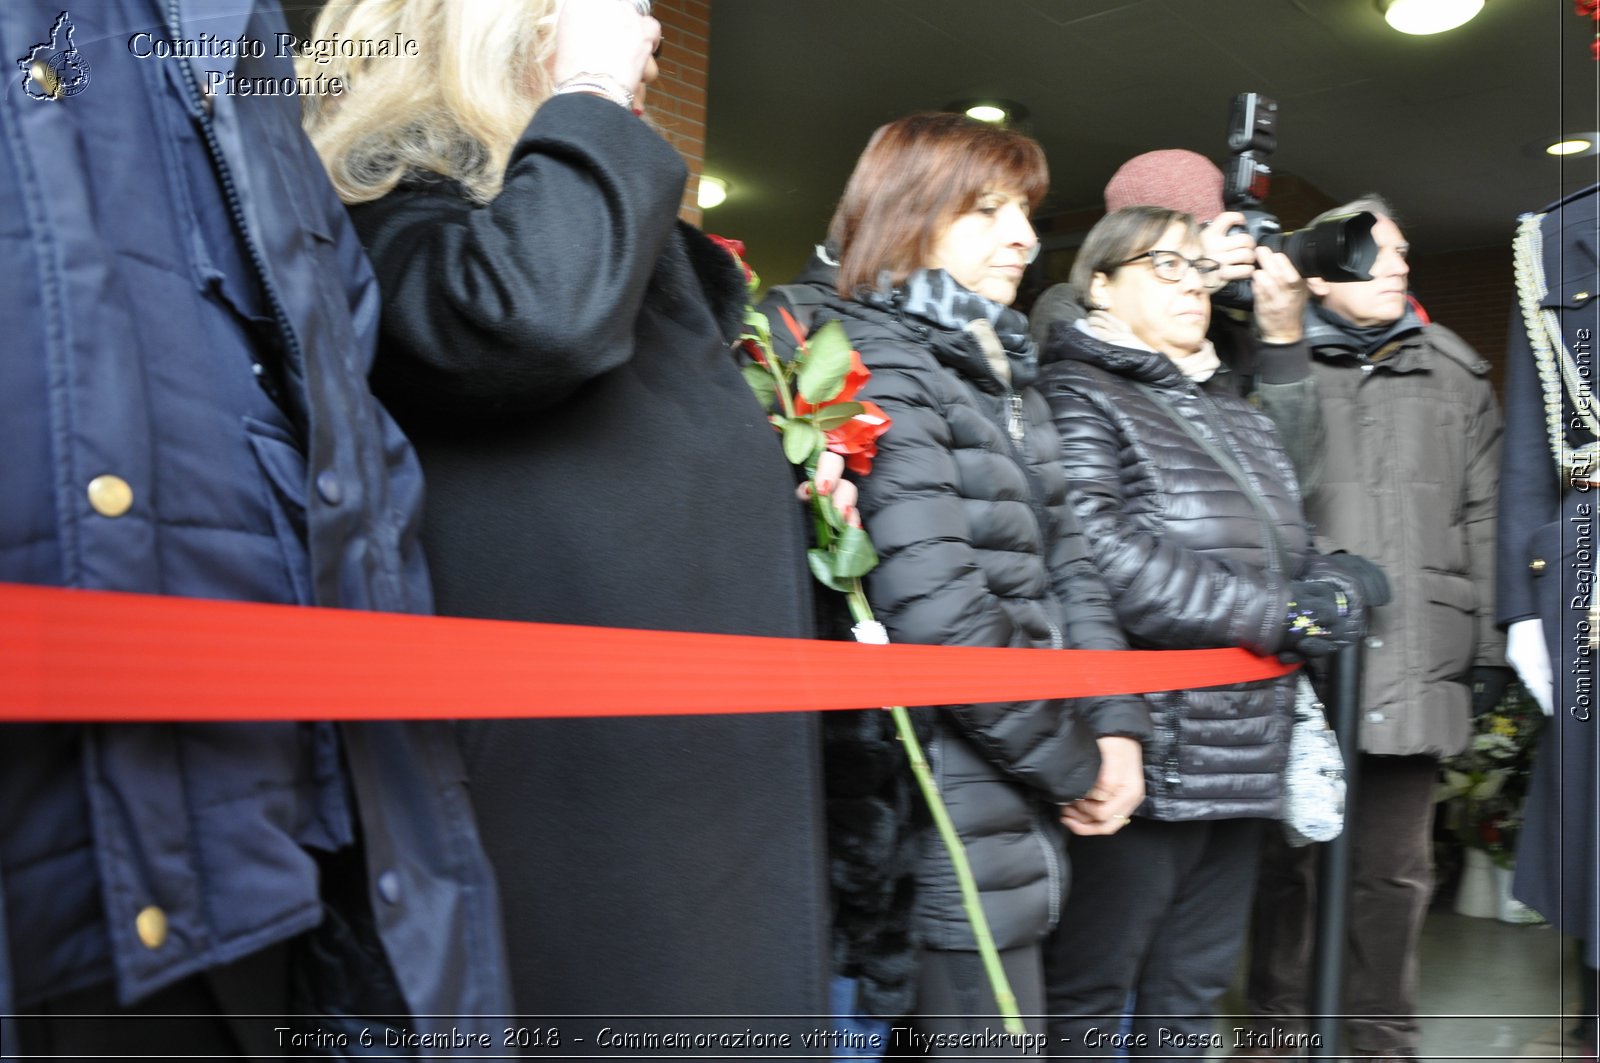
{"x": 152, "y": 926}
{"x": 1579, "y": 297}
{"x": 110, "y": 496}
{"x": 1536, "y": 565}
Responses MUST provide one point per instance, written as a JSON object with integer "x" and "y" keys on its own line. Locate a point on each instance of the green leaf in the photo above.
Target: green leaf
{"x": 830, "y": 417}
{"x": 757, "y": 328}
{"x": 822, "y": 569}
{"x": 800, "y": 440}
{"x": 760, "y": 382}
{"x": 826, "y": 362}
{"x": 853, "y": 555}
{"x": 830, "y": 514}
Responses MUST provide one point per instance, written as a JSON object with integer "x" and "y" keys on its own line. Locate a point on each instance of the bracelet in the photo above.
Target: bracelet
{"x": 599, "y": 84}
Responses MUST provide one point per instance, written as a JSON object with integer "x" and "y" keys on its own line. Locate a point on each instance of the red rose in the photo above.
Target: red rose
{"x": 857, "y": 439}
{"x": 753, "y": 349}
{"x": 734, "y": 248}
{"x": 857, "y": 375}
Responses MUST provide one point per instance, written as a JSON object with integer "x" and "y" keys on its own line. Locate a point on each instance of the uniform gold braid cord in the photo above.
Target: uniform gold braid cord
{"x": 1558, "y": 371}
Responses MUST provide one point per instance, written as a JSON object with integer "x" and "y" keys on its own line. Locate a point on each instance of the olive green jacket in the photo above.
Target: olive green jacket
{"x": 1410, "y": 480}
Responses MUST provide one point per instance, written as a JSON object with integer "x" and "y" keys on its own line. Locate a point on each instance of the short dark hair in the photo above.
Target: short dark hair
{"x": 916, "y": 176}
{"x": 1122, "y": 234}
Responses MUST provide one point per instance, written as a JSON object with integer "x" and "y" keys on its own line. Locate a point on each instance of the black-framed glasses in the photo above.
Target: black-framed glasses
{"x": 1170, "y": 266}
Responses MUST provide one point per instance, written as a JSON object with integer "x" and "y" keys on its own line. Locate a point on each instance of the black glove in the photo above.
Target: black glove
{"x": 1488, "y": 684}
{"x": 1321, "y": 619}
{"x": 1367, "y": 577}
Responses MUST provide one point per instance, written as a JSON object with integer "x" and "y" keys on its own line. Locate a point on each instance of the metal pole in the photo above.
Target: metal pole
{"x": 1326, "y": 996}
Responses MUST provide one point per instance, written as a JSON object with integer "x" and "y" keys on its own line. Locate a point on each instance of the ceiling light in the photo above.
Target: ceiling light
{"x": 1568, "y": 145}
{"x": 713, "y": 190}
{"x": 995, "y": 110}
{"x": 1428, "y": 16}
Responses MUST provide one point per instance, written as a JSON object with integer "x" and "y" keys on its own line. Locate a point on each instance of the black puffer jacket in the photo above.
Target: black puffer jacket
{"x": 1186, "y": 557}
{"x": 966, "y": 504}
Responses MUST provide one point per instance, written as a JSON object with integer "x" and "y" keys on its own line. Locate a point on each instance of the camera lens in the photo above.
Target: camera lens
{"x": 1336, "y": 249}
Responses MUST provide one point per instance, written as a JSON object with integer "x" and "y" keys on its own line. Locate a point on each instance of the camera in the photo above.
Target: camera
{"x": 1338, "y": 249}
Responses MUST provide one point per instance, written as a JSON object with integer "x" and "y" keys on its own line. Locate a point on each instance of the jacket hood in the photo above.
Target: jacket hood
{"x": 1327, "y": 332}
{"x": 821, "y": 269}
{"x": 1071, "y": 342}
{"x": 941, "y": 311}
{"x": 1059, "y": 303}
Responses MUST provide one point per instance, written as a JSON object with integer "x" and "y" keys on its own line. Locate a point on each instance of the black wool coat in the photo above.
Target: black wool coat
{"x": 561, "y": 358}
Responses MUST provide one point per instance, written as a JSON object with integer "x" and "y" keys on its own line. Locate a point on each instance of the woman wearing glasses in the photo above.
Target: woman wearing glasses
{"x": 1193, "y": 519}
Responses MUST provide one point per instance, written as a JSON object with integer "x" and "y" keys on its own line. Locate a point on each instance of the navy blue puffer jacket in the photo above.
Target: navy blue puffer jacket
{"x": 158, "y": 281}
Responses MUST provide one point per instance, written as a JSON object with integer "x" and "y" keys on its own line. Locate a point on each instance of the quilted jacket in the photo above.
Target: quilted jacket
{"x": 1187, "y": 557}
{"x": 966, "y": 505}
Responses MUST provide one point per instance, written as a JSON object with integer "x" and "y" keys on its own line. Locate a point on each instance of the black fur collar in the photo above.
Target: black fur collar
{"x": 721, "y": 279}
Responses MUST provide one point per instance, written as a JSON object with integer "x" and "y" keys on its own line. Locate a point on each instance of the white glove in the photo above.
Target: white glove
{"x": 1530, "y": 657}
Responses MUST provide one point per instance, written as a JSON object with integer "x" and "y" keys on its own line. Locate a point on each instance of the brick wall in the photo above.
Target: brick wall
{"x": 1296, "y": 201}
{"x": 1471, "y": 293}
{"x": 677, "y": 99}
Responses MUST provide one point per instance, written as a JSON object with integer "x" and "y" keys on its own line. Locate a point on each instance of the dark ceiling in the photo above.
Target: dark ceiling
{"x": 1444, "y": 126}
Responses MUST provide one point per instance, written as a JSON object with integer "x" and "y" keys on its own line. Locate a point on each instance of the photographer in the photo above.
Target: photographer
{"x": 1409, "y": 480}
{"x": 1264, "y": 353}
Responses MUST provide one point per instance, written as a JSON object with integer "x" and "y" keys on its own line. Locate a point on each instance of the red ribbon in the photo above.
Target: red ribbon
{"x": 70, "y": 655}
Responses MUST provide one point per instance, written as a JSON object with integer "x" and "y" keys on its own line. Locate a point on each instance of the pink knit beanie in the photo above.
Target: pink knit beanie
{"x": 1173, "y": 178}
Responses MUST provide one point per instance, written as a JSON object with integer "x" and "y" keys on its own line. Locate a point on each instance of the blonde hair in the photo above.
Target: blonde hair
{"x": 455, "y": 108}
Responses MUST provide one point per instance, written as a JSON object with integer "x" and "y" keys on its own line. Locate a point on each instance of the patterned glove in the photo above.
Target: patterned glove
{"x": 1322, "y": 618}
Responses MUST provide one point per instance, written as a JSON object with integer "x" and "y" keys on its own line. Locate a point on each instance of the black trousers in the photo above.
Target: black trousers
{"x": 954, "y": 998}
{"x": 1390, "y": 822}
{"x": 1157, "y": 913}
